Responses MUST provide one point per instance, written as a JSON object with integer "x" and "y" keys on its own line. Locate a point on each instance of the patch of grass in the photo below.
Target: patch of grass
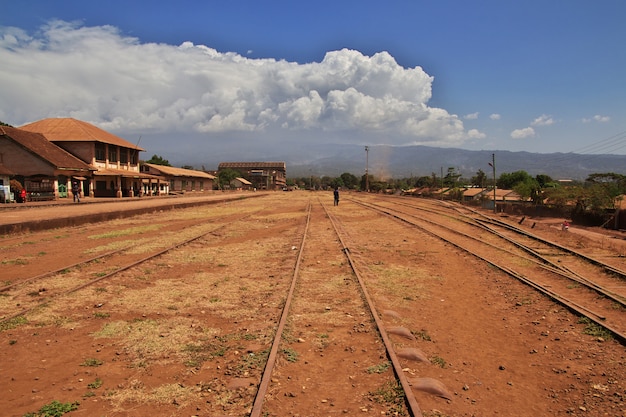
{"x": 392, "y": 395}
{"x": 595, "y": 330}
{"x": 422, "y": 334}
{"x": 126, "y": 232}
{"x": 100, "y": 290}
{"x": 99, "y": 315}
{"x": 18, "y": 261}
{"x": 197, "y": 354}
{"x": 291, "y": 355}
{"x": 95, "y": 384}
{"x": 439, "y": 361}
{"x": 91, "y": 362}
{"x": 322, "y": 340}
{"x": 252, "y": 361}
{"x": 379, "y": 369}
{"x": 54, "y": 409}
{"x": 13, "y": 323}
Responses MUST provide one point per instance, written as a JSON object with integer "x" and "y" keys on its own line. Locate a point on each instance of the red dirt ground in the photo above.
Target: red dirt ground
{"x": 506, "y": 351}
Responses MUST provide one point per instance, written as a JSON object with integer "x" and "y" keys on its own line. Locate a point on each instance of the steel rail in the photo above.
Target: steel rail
{"x": 406, "y": 386}
{"x": 545, "y": 262}
{"x": 571, "y": 305}
{"x": 59, "y": 270}
{"x": 257, "y": 407}
{"x": 113, "y": 273}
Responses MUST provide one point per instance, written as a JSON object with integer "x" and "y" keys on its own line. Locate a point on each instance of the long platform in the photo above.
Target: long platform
{"x": 40, "y": 215}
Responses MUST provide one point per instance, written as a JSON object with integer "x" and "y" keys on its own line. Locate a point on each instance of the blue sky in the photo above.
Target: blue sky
{"x": 538, "y": 76}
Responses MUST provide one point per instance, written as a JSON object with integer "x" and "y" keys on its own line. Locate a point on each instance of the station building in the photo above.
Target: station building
{"x": 43, "y": 168}
{"x": 261, "y": 175}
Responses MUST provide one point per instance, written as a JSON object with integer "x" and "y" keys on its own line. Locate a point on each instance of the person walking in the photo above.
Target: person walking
{"x": 336, "y": 193}
{"x": 76, "y": 191}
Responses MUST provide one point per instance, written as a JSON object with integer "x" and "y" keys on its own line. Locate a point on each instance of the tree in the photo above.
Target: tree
{"x": 225, "y": 176}
{"x": 158, "y": 160}
{"x": 349, "y": 181}
{"x": 451, "y": 177}
{"x": 509, "y": 180}
{"x": 480, "y": 179}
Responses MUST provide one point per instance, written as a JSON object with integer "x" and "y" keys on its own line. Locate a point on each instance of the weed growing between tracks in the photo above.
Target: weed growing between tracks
{"x": 392, "y": 395}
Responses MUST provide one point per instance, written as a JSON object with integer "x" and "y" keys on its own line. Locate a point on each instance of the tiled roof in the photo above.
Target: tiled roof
{"x": 71, "y": 130}
{"x": 275, "y": 165}
{"x": 180, "y": 172}
{"x": 5, "y": 171}
{"x": 43, "y": 148}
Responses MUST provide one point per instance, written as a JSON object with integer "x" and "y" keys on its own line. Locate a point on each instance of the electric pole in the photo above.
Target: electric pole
{"x": 493, "y": 166}
{"x": 367, "y": 163}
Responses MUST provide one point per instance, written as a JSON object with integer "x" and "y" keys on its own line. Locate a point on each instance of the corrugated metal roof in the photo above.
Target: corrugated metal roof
{"x": 470, "y": 192}
{"x": 67, "y": 129}
{"x": 180, "y": 172}
{"x": 37, "y": 144}
{"x": 243, "y": 181}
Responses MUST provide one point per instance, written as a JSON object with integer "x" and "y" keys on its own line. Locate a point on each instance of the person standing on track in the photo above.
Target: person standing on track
{"x": 76, "y": 191}
{"x": 336, "y": 193}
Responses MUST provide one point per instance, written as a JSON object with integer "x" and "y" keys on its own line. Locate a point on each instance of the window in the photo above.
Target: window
{"x": 100, "y": 152}
{"x": 112, "y": 153}
{"x": 124, "y": 155}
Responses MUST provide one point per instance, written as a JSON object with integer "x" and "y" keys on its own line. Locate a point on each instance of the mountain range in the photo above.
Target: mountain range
{"x": 416, "y": 161}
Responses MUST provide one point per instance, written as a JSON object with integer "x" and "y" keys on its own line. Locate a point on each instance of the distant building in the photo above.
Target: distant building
{"x": 240, "y": 184}
{"x": 178, "y": 180}
{"x": 261, "y": 175}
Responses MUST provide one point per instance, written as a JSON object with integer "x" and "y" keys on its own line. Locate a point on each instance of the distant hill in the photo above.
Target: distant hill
{"x": 304, "y": 160}
{"x": 416, "y": 161}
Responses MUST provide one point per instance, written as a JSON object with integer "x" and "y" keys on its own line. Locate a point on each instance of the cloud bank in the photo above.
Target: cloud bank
{"x": 99, "y": 75}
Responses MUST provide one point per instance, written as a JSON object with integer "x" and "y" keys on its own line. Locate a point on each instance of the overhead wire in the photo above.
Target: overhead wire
{"x": 594, "y": 150}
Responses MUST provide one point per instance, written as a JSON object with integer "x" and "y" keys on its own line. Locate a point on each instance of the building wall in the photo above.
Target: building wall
{"x": 82, "y": 150}
{"x": 17, "y": 159}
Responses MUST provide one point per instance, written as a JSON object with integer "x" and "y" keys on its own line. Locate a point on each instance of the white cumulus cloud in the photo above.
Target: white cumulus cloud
{"x": 494, "y": 116}
{"x": 102, "y": 76}
{"x": 476, "y": 134}
{"x": 597, "y": 118}
{"x": 543, "y": 120}
{"x": 471, "y": 116}
{"x": 527, "y": 132}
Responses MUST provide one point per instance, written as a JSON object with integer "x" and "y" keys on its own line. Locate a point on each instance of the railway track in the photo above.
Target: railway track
{"x": 22, "y": 295}
{"x": 591, "y": 288}
{"x": 340, "y": 303}
{"x": 294, "y": 308}
{"x": 316, "y": 311}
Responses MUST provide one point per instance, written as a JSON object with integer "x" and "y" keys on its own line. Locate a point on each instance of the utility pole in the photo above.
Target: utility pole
{"x": 367, "y": 164}
{"x": 493, "y": 166}
{"x": 441, "y": 191}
